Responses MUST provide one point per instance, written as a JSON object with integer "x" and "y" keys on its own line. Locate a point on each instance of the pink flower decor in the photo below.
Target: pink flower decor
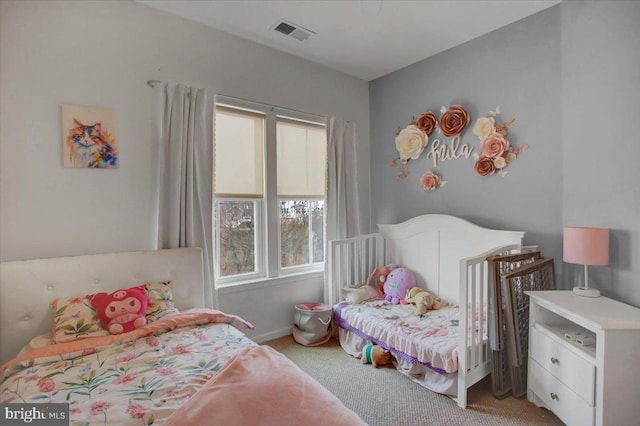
{"x": 427, "y": 122}
{"x": 431, "y": 181}
{"x": 454, "y": 120}
{"x": 494, "y": 145}
{"x": 497, "y": 151}
{"x": 484, "y": 165}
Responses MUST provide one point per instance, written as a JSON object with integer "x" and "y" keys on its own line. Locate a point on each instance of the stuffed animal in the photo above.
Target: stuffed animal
{"x": 371, "y": 290}
{"x": 364, "y": 293}
{"x": 396, "y": 285}
{"x": 423, "y": 300}
{"x": 123, "y": 310}
{"x": 374, "y": 354}
{"x": 379, "y": 275}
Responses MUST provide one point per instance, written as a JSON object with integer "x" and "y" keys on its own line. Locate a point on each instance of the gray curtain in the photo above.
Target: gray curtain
{"x": 185, "y": 158}
{"x": 343, "y": 207}
{"x": 343, "y": 201}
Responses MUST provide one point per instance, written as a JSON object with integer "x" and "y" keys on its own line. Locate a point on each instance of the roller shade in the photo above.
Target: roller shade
{"x": 301, "y": 155}
{"x": 239, "y": 146}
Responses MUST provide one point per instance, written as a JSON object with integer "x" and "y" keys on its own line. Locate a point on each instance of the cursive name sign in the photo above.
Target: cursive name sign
{"x": 442, "y": 152}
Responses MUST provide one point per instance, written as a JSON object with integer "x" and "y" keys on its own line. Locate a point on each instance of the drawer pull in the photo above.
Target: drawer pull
{"x": 554, "y": 396}
{"x": 554, "y": 360}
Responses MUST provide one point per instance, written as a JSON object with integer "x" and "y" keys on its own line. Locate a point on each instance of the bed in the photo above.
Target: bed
{"x": 188, "y": 365}
{"x": 448, "y": 258}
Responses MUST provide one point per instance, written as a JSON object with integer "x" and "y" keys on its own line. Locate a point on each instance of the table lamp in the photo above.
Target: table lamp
{"x": 586, "y": 246}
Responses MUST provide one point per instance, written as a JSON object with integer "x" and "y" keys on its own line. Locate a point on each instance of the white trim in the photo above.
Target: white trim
{"x": 247, "y": 285}
{"x": 272, "y": 335}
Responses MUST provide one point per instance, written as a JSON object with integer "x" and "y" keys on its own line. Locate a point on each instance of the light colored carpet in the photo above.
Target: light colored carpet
{"x": 383, "y": 397}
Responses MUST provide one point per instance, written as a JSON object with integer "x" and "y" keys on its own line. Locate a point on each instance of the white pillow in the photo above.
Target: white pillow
{"x": 37, "y": 342}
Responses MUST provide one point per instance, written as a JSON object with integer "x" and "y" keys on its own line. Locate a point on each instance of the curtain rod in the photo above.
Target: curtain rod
{"x": 154, "y": 83}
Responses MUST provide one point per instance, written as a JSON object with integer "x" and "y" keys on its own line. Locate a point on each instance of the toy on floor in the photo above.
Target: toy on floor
{"x": 398, "y": 282}
{"x": 423, "y": 300}
{"x": 374, "y": 354}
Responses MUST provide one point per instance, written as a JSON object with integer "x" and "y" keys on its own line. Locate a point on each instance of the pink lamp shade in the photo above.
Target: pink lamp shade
{"x": 586, "y": 246}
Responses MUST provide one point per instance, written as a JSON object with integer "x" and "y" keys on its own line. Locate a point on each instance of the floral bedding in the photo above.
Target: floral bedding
{"x": 139, "y": 377}
{"x": 430, "y": 339}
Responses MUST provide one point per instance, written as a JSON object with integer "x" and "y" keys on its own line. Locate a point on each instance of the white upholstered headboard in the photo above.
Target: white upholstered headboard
{"x": 27, "y": 287}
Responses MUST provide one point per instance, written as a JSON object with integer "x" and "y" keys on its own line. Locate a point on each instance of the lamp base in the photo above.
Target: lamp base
{"x": 586, "y": 292}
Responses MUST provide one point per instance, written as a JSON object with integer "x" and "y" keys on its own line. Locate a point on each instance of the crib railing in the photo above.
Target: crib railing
{"x": 474, "y": 327}
{"x": 351, "y": 261}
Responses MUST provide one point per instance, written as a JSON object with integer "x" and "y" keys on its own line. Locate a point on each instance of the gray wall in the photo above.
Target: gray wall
{"x": 601, "y": 147}
{"x": 569, "y": 76}
{"x": 516, "y": 67}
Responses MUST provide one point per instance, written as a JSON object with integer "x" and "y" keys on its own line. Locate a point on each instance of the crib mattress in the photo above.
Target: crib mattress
{"x": 430, "y": 339}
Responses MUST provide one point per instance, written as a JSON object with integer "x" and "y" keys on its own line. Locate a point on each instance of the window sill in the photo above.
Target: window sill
{"x": 268, "y": 282}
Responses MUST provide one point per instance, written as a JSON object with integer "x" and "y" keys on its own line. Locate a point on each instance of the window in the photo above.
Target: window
{"x": 270, "y": 168}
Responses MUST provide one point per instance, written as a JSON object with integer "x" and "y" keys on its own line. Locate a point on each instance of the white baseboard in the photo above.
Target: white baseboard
{"x": 272, "y": 335}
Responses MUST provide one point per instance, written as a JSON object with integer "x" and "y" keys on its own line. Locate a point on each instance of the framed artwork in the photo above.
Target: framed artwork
{"x": 89, "y": 137}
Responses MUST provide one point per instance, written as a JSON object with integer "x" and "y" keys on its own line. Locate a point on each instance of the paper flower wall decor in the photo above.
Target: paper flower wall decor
{"x": 413, "y": 139}
{"x": 431, "y": 181}
{"x": 453, "y": 121}
{"x": 496, "y": 150}
{"x": 495, "y": 153}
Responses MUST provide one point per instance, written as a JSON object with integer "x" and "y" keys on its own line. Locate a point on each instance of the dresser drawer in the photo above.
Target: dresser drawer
{"x": 565, "y": 403}
{"x": 575, "y": 372}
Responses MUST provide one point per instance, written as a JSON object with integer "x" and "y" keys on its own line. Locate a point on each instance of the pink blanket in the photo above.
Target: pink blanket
{"x": 261, "y": 386}
{"x": 74, "y": 348}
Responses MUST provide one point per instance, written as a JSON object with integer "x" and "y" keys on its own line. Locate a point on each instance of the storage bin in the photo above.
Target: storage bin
{"x": 312, "y": 323}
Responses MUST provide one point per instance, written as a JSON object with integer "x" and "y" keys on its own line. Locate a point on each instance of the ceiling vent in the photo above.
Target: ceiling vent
{"x": 293, "y": 30}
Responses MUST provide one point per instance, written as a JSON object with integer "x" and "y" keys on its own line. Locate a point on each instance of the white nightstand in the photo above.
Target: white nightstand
{"x": 584, "y": 384}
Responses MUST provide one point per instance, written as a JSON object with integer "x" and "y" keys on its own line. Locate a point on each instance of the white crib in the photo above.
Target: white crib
{"x": 448, "y": 257}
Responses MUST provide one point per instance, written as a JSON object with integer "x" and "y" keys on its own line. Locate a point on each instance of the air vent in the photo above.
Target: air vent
{"x": 285, "y": 28}
{"x": 293, "y": 30}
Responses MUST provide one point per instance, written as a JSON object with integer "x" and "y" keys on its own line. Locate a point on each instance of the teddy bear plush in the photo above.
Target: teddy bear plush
{"x": 123, "y": 310}
{"x": 374, "y": 354}
{"x": 423, "y": 300}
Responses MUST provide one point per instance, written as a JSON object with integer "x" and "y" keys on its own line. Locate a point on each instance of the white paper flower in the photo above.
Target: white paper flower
{"x": 484, "y": 127}
{"x": 410, "y": 142}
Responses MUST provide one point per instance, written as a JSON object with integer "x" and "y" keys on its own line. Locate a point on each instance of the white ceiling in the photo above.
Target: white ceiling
{"x": 363, "y": 38}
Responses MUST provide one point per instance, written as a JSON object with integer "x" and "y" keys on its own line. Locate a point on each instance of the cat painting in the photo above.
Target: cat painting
{"x": 89, "y": 139}
{"x": 91, "y": 146}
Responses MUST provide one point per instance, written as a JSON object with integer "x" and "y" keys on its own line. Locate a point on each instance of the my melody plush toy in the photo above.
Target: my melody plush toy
{"x": 396, "y": 285}
{"x": 123, "y": 310}
{"x": 374, "y": 354}
{"x": 423, "y": 300}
